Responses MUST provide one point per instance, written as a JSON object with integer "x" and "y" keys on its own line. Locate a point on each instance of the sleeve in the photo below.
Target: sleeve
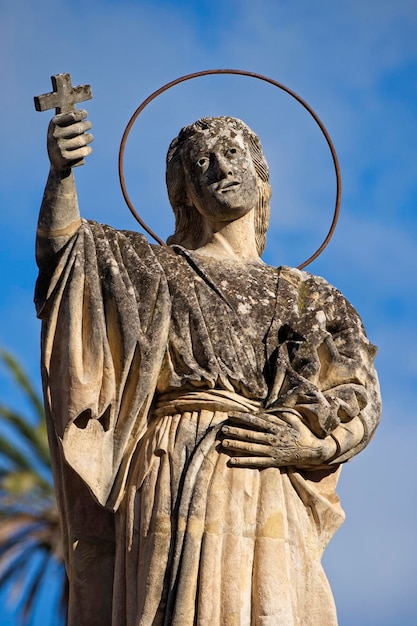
{"x": 105, "y": 313}
{"x": 324, "y": 366}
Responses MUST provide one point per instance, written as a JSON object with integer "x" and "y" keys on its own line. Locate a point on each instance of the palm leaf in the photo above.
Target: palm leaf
{"x": 25, "y": 481}
{"x": 13, "y": 454}
{"x": 23, "y": 382}
{"x": 30, "y": 539}
{"x": 15, "y": 560}
{"x": 35, "y": 436}
{"x": 33, "y": 587}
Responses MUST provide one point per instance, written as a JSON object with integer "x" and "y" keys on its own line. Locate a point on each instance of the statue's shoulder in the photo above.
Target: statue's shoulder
{"x": 316, "y": 293}
{"x": 301, "y": 279}
{"x": 117, "y": 236}
{"x": 109, "y": 232}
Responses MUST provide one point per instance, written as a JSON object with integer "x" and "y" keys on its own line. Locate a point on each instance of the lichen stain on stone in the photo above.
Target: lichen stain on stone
{"x": 274, "y": 527}
{"x": 302, "y": 298}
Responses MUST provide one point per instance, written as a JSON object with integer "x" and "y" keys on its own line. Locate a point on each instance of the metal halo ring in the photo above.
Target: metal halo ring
{"x": 182, "y": 79}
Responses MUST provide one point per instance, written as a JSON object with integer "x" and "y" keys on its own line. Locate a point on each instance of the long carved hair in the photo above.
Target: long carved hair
{"x": 188, "y": 221}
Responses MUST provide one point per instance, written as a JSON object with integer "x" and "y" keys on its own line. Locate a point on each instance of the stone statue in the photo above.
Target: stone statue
{"x": 199, "y": 402}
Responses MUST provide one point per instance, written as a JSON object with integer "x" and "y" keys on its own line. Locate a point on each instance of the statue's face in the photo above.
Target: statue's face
{"x": 220, "y": 177}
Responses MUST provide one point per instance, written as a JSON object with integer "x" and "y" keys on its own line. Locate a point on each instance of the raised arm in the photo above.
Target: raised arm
{"x": 59, "y": 218}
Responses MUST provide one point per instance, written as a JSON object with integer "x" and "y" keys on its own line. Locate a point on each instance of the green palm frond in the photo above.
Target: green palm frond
{"x": 35, "y": 436}
{"x": 30, "y": 537}
{"x": 23, "y": 382}
{"x": 34, "y": 586}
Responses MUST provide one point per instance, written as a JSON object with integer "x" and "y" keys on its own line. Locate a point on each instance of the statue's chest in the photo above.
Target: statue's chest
{"x": 224, "y": 297}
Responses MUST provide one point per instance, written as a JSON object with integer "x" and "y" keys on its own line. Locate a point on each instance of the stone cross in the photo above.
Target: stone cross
{"x": 64, "y": 96}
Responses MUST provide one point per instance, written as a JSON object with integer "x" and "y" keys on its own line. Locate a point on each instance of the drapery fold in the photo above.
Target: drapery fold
{"x": 107, "y": 314}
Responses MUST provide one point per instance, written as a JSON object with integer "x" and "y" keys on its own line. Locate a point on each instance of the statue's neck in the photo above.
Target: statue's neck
{"x": 232, "y": 240}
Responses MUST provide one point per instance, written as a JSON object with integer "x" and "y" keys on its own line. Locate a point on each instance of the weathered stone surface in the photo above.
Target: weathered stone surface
{"x": 200, "y": 403}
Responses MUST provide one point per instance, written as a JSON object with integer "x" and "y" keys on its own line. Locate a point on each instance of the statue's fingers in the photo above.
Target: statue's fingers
{"x": 267, "y": 423}
{"x": 247, "y": 447}
{"x": 253, "y": 462}
{"x": 290, "y": 417}
{"x": 76, "y": 155}
{"x": 78, "y": 142}
{"x": 65, "y": 119}
{"x": 246, "y": 419}
{"x": 284, "y": 416}
{"x": 73, "y": 130}
{"x": 244, "y": 434}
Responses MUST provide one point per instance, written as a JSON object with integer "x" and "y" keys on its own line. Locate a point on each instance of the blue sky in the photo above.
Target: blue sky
{"x": 355, "y": 62}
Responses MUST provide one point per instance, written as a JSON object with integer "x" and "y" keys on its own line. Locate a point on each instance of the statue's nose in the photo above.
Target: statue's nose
{"x": 222, "y": 167}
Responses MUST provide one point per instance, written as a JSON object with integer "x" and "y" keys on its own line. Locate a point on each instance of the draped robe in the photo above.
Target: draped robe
{"x": 145, "y": 353}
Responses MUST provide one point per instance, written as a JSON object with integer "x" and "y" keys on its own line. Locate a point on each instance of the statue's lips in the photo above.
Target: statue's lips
{"x": 228, "y": 185}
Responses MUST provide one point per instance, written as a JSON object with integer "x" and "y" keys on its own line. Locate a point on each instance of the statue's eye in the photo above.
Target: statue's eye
{"x": 203, "y": 163}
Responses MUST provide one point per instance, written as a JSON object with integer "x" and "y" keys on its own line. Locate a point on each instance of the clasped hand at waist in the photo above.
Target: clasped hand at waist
{"x": 276, "y": 439}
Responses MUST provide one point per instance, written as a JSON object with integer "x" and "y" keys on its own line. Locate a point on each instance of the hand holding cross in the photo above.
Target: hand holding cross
{"x": 67, "y": 138}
